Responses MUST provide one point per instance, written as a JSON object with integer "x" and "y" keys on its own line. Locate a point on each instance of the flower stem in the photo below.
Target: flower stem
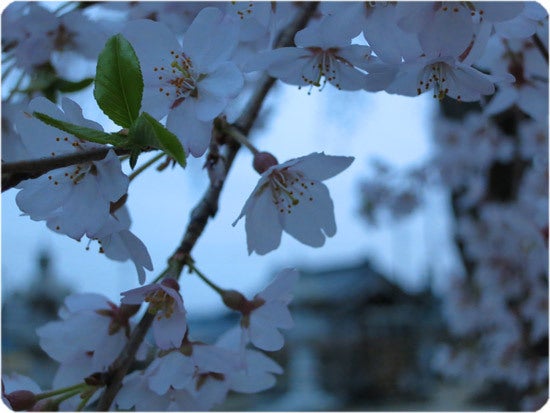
{"x": 145, "y": 166}
{"x": 203, "y": 277}
{"x": 85, "y": 400}
{"x": 66, "y": 396}
{"x": 45, "y": 395}
{"x": 239, "y": 137}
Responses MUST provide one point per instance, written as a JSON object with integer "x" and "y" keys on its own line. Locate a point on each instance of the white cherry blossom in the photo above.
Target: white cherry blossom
{"x": 324, "y": 53}
{"x": 291, "y": 197}
{"x": 166, "y": 303}
{"x": 193, "y": 82}
{"x": 74, "y": 200}
{"x": 120, "y": 244}
{"x": 92, "y": 331}
{"x": 264, "y": 315}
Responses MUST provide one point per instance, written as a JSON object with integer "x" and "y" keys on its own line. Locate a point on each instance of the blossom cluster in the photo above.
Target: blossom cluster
{"x": 494, "y": 162}
{"x": 179, "y": 78}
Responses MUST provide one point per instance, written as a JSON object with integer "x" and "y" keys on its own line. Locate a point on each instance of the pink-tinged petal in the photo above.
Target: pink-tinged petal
{"x": 137, "y": 295}
{"x": 175, "y": 296}
{"x": 73, "y": 114}
{"x": 157, "y": 103}
{"x": 390, "y": 45}
{"x": 63, "y": 340}
{"x": 208, "y": 106}
{"x": 265, "y": 337}
{"x": 169, "y": 332}
{"x": 193, "y": 134}
{"x": 263, "y": 230}
{"x": 357, "y": 55}
{"x": 84, "y": 212}
{"x": 84, "y": 302}
{"x": 226, "y": 81}
{"x": 281, "y": 286}
{"x": 208, "y": 52}
{"x": 152, "y": 42}
{"x": 17, "y": 381}
{"x": 273, "y": 313}
{"x": 215, "y": 359}
{"x": 346, "y": 77}
{"x": 173, "y": 370}
{"x": 413, "y": 16}
{"x": 470, "y": 84}
{"x": 257, "y": 375}
{"x": 449, "y": 32}
{"x": 136, "y": 249}
{"x": 288, "y": 63}
{"x": 134, "y": 390}
{"x": 310, "y": 221}
{"x": 73, "y": 372}
{"x": 320, "y": 167}
{"x": 498, "y": 11}
{"x": 113, "y": 183}
{"x": 40, "y": 197}
{"x": 108, "y": 350}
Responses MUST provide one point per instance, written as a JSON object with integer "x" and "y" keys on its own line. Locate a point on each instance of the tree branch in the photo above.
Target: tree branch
{"x": 15, "y": 172}
{"x": 206, "y": 208}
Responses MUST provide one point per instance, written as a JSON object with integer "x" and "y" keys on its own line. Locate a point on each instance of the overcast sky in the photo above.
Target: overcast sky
{"x": 361, "y": 124}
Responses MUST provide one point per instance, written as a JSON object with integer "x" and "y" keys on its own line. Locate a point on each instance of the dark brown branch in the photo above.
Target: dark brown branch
{"x": 206, "y": 208}
{"x": 541, "y": 47}
{"x": 15, "y": 172}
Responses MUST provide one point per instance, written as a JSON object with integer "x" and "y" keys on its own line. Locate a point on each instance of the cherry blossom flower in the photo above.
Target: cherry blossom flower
{"x": 265, "y": 313}
{"x": 324, "y": 54}
{"x": 120, "y": 244}
{"x": 89, "y": 337}
{"x": 291, "y": 197}
{"x": 193, "y": 82}
{"x": 74, "y": 200}
{"x": 40, "y": 35}
{"x": 166, "y": 303}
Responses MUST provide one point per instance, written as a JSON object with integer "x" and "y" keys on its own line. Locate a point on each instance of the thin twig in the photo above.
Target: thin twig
{"x": 206, "y": 208}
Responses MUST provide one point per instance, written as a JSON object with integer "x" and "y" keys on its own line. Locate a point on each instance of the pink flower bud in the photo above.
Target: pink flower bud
{"x": 21, "y": 400}
{"x": 234, "y": 299}
{"x": 263, "y": 161}
{"x": 171, "y": 283}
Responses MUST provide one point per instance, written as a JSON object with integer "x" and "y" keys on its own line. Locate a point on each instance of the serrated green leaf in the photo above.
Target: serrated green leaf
{"x": 119, "y": 83}
{"x": 169, "y": 142}
{"x": 149, "y": 132}
{"x": 81, "y": 132}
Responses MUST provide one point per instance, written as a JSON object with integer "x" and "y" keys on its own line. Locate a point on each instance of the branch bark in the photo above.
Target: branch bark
{"x": 206, "y": 208}
{"x": 15, "y": 172}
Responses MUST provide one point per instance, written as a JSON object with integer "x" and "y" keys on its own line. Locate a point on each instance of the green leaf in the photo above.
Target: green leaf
{"x": 148, "y": 132}
{"x": 118, "y": 82}
{"x": 82, "y": 132}
{"x": 168, "y": 142}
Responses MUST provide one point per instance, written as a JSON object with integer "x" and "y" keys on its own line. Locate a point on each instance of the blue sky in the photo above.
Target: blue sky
{"x": 365, "y": 125}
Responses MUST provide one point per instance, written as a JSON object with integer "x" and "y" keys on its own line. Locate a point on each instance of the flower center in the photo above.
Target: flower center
{"x": 181, "y": 78}
{"x": 288, "y": 189}
{"x": 434, "y": 75}
{"x": 324, "y": 65}
{"x": 160, "y": 303}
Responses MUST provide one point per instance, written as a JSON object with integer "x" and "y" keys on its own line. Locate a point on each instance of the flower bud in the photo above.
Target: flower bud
{"x": 263, "y": 161}
{"x": 171, "y": 283}
{"x": 21, "y": 400}
{"x": 234, "y": 300}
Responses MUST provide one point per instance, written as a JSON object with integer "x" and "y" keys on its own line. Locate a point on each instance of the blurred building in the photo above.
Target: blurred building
{"x": 23, "y": 312}
{"x": 359, "y": 340}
